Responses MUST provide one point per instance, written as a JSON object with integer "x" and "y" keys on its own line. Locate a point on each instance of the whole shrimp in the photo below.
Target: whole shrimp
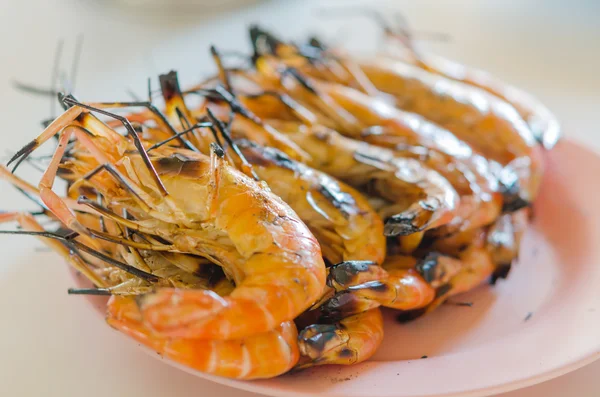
{"x": 276, "y": 263}
{"x": 357, "y": 338}
{"x": 241, "y": 358}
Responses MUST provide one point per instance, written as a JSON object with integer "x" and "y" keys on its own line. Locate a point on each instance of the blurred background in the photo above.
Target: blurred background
{"x": 548, "y": 47}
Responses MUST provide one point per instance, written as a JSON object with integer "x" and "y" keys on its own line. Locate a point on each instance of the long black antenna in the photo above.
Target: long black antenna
{"x": 55, "y": 75}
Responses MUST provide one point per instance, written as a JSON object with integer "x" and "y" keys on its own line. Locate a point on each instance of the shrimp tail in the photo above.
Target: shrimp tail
{"x": 350, "y": 341}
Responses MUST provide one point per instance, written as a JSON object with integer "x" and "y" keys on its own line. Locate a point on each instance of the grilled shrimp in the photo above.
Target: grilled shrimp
{"x": 273, "y": 259}
{"x": 241, "y": 359}
{"x": 237, "y": 358}
{"x": 543, "y": 124}
{"x": 360, "y": 286}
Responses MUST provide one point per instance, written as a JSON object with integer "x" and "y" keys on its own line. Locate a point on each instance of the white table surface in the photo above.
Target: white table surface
{"x": 51, "y": 344}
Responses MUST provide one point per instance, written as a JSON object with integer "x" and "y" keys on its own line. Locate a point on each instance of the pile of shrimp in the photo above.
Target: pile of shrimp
{"x": 256, "y": 223}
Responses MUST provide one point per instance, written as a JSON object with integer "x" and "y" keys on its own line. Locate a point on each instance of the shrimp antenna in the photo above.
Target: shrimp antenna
{"x": 357, "y": 11}
{"x": 223, "y": 130}
{"x": 34, "y": 199}
{"x": 89, "y": 291}
{"x": 76, "y": 59}
{"x": 31, "y": 89}
{"x": 247, "y": 58}
{"x": 188, "y": 125}
{"x": 22, "y": 155}
{"x": 285, "y": 99}
{"x": 293, "y": 72}
{"x": 223, "y": 73}
{"x": 55, "y": 74}
{"x": 70, "y": 100}
{"x": 208, "y": 93}
{"x": 179, "y": 134}
{"x": 403, "y": 28}
{"x": 76, "y": 245}
{"x": 402, "y": 31}
{"x": 214, "y": 131}
{"x": 235, "y": 105}
{"x": 133, "y": 95}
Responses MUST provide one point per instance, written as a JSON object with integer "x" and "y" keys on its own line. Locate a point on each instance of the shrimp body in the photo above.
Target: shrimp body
{"x": 490, "y": 125}
{"x": 343, "y": 222}
{"x": 262, "y": 260}
{"x": 410, "y": 135}
{"x": 543, "y": 124}
{"x": 414, "y": 197}
{"x": 236, "y": 358}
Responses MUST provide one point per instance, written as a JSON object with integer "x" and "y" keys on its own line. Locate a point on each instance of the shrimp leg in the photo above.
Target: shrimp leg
{"x": 28, "y": 223}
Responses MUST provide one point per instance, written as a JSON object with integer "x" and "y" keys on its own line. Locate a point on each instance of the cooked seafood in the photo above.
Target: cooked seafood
{"x": 474, "y": 115}
{"x": 301, "y": 194}
{"x": 276, "y": 265}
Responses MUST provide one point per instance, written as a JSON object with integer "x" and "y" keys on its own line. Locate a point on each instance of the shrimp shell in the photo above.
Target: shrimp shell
{"x": 236, "y": 358}
{"x": 543, "y": 124}
{"x": 351, "y": 341}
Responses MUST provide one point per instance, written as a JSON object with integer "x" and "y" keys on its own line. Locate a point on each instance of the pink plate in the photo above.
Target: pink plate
{"x": 543, "y": 321}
